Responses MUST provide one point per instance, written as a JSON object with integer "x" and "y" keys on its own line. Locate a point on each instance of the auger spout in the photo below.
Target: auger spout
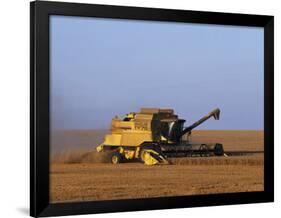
{"x": 215, "y": 113}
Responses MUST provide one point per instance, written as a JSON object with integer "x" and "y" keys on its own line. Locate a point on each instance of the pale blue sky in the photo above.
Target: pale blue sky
{"x": 106, "y": 67}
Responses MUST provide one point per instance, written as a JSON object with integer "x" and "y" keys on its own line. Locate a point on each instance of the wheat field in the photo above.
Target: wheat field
{"x": 81, "y": 174}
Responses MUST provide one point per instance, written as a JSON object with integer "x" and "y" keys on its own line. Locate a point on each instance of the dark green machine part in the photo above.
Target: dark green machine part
{"x": 174, "y": 129}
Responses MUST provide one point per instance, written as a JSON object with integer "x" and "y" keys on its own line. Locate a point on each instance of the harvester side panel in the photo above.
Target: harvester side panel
{"x": 112, "y": 139}
{"x": 135, "y": 138}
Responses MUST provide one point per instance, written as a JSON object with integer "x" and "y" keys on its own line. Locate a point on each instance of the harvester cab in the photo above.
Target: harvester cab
{"x": 153, "y": 135}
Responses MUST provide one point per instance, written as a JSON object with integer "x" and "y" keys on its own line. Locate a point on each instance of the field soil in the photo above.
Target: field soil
{"x": 84, "y": 175}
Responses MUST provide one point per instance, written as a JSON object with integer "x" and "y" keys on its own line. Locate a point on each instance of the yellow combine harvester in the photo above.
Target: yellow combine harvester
{"x": 153, "y": 135}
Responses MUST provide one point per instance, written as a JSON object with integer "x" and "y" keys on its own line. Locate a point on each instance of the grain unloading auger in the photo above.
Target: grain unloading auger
{"x": 153, "y": 135}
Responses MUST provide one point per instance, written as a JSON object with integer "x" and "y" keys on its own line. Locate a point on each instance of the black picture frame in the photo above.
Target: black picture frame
{"x": 39, "y": 108}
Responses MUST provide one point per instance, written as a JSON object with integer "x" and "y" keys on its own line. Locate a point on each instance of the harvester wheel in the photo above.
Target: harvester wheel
{"x": 218, "y": 150}
{"x": 116, "y": 158}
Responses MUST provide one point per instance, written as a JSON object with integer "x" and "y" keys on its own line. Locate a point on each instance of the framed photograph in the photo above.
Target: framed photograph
{"x": 144, "y": 108}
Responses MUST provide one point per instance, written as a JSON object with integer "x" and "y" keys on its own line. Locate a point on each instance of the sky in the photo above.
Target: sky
{"x": 100, "y": 68}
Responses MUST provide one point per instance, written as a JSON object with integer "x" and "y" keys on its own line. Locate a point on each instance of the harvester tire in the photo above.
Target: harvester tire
{"x": 116, "y": 158}
{"x": 218, "y": 150}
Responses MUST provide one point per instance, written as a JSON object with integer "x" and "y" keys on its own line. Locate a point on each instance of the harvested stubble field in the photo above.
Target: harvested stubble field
{"x": 83, "y": 176}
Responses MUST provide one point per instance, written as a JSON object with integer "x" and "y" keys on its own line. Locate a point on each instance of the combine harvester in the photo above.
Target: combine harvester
{"x": 153, "y": 135}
